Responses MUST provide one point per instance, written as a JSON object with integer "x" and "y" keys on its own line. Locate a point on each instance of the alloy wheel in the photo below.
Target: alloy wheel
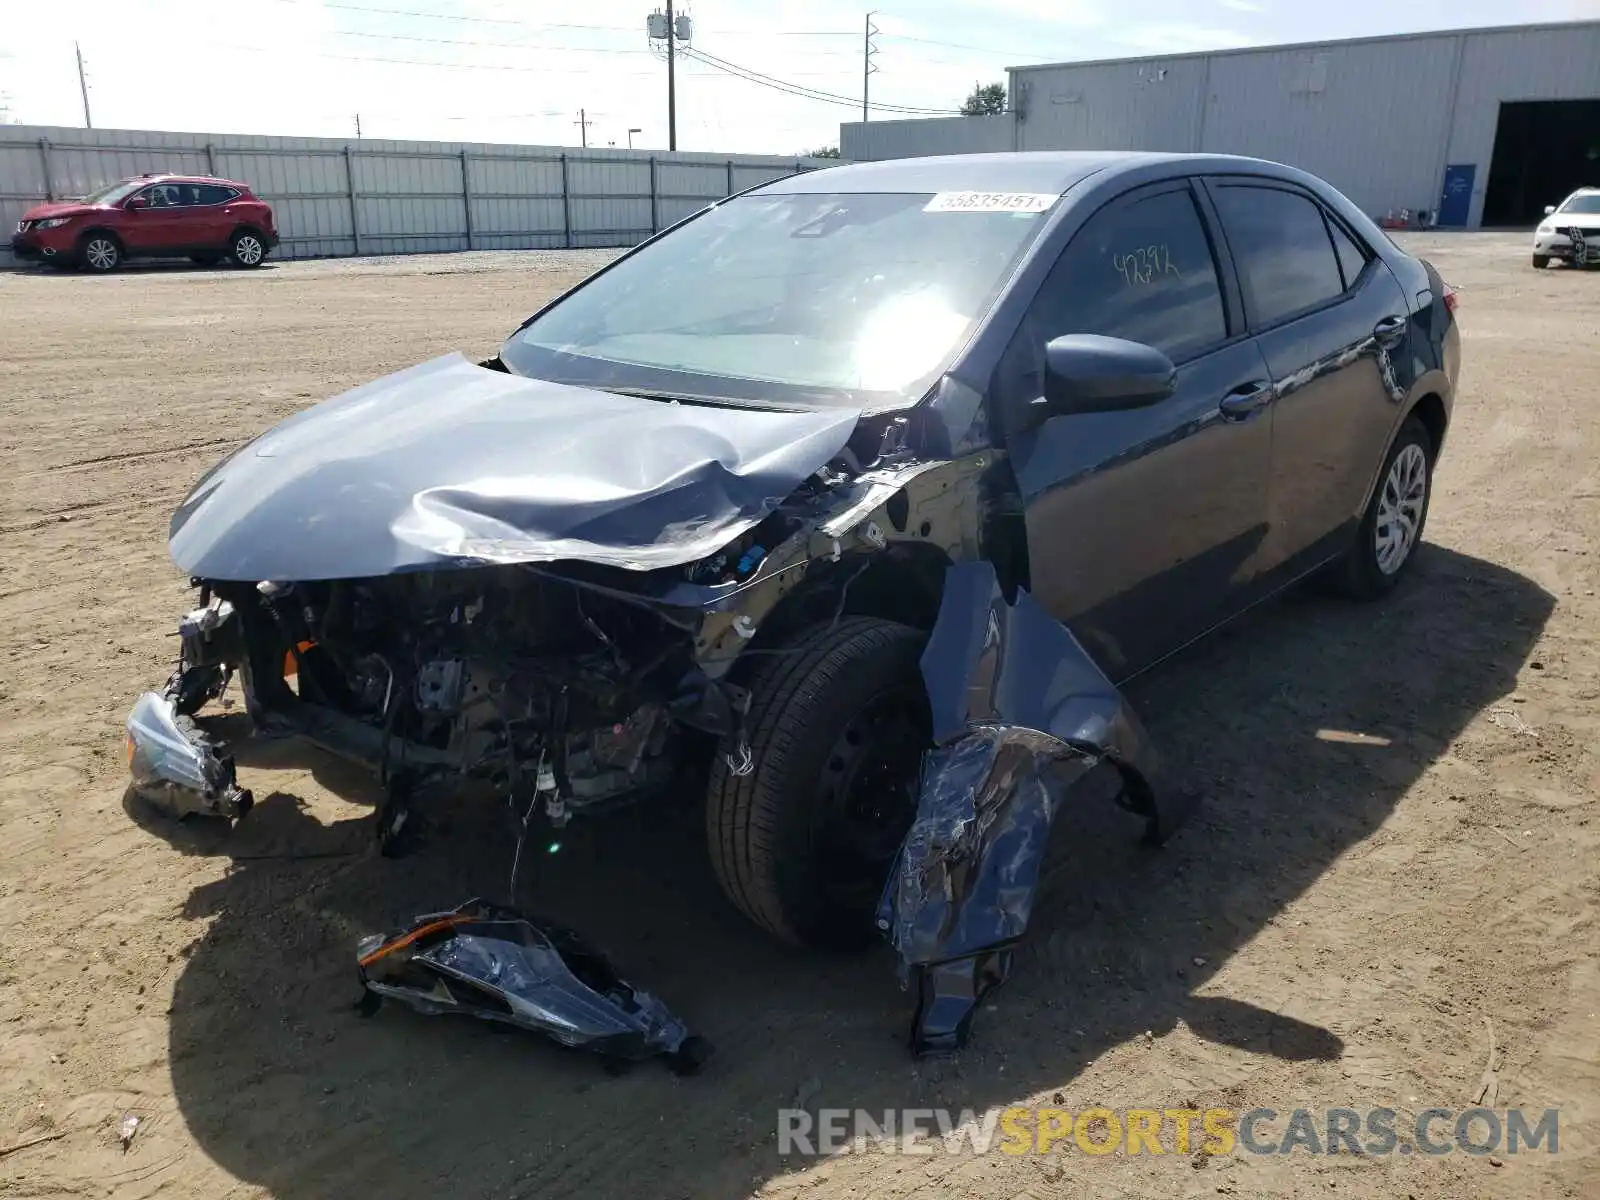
{"x": 248, "y": 250}
{"x": 101, "y": 253}
{"x": 1400, "y": 508}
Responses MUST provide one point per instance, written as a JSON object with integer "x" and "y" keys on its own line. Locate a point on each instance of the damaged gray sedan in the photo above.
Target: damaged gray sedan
{"x": 853, "y": 493}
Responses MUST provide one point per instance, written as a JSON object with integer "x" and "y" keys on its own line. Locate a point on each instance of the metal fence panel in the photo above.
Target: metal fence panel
{"x": 332, "y": 197}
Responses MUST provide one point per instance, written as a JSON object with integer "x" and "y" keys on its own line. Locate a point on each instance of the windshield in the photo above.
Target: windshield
{"x": 114, "y": 192}
{"x": 1582, "y": 204}
{"x": 789, "y": 300}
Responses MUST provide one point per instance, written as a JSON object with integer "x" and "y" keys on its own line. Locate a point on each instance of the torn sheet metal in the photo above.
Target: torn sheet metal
{"x": 1021, "y": 717}
{"x": 176, "y": 767}
{"x": 451, "y": 464}
{"x": 493, "y": 963}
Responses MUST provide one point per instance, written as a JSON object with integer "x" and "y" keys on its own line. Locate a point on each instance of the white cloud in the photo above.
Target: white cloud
{"x": 1073, "y": 14}
{"x": 1182, "y": 39}
{"x": 1244, "y": 6}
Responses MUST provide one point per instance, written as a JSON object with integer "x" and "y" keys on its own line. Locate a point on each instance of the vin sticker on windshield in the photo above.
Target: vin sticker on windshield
{"x": 991, "y": 202}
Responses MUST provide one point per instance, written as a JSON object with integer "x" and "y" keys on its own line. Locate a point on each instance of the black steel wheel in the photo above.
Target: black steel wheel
{"x": 803, "y": 843}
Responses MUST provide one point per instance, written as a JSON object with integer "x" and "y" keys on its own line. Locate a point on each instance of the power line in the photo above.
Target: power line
{"x": 529, "y": 45}
{"x": 423, "y": 62}
{"x": 906, "y": 37}
{"x": 441, "y": 16}
{"x": 809, "y": 93}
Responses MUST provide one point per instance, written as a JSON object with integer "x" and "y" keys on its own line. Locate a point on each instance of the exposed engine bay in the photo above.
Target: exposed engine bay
{"x": 517, "y": 679}
{"x": 583, "y": 640}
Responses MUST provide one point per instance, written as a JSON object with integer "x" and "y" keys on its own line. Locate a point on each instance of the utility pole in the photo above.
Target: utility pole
{"x": 358, "y": 127}
{"x": 83, "y": 87}
{"x": 583, "y": 124}
{"x": 672, "y": 82}
{"x": 867, "y": 51}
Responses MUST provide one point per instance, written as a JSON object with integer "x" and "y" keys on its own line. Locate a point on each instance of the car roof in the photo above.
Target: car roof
{"x": 169, "y": 177}
{"x": 1027, "y": 171}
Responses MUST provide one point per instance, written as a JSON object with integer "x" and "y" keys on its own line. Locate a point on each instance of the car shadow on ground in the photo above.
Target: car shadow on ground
{"x": 140, "y": 266}
{"x": 284, "y": 1086}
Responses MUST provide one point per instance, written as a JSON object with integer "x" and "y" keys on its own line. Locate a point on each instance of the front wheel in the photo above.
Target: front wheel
{"x": 100, "y": 252}
{"x": 1541, "y": 261}
{"x": 803, "y": 842}
{"x": 1391, "y": 528}
{"x": 247, "y": 248}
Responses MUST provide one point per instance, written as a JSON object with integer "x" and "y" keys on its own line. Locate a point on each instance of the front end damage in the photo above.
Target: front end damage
{"x": 493, "y": 963}
{"x": 575, "y": 625}
{"x": 1022, "y": 719}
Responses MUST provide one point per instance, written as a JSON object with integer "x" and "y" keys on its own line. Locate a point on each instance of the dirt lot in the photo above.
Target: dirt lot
{"x": 1348, "y": 922}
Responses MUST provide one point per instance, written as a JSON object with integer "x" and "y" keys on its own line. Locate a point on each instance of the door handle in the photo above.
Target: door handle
{"x": 1246, "y": 399}
{"x": 1389, "y": 331}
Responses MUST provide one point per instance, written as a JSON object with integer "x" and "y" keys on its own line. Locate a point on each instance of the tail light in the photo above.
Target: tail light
{"x": 1452, "y": 298}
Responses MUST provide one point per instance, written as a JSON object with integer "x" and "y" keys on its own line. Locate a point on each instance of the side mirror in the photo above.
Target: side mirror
{"x": 135, "y": 203}
{"x": 1085, "y": 372}
{"x": 1548, "y": 209}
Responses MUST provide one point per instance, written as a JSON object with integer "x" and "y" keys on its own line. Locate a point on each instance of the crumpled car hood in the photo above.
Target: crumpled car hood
{"x": 449, "y": 464}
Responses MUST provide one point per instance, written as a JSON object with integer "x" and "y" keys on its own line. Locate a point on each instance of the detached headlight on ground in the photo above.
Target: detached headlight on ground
{"x": 176, "y": 767}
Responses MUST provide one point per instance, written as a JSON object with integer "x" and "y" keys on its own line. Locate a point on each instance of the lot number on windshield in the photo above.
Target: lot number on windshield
{"x": 991, "y": 202}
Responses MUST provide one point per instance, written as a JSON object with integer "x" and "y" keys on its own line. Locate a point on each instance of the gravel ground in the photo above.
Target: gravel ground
{"x": 1351, "y": 921}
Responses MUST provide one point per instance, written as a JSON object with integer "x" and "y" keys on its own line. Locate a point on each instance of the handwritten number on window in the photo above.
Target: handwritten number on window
{"x": 1145, "y": 265}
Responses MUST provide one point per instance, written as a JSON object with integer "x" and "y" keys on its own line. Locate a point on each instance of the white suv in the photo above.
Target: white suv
{"x": 1573, "y": 224}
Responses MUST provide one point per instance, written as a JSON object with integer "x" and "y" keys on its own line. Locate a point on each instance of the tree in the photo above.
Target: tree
{"x": 987, "y": 100}
{"x": 824, "y": 152}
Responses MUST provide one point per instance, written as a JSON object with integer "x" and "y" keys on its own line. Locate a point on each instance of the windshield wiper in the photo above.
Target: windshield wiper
{"x": 668, "y": 397}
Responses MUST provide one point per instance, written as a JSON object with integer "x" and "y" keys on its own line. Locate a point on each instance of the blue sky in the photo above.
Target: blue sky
{"x": 497, "y": 70}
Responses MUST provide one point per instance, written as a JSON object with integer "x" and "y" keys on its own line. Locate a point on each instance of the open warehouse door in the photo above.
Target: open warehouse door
{"x": 1543, "y": 150}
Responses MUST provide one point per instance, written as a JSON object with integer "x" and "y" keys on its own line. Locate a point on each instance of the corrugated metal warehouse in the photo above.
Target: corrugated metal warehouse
{"x": 1477, "y": 127}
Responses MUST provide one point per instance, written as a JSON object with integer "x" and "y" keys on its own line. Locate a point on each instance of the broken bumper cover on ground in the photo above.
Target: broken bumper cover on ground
{"x": 176, "y": 767}
{"x": 495, "y": 964}
{"x": 1021, "y": 717}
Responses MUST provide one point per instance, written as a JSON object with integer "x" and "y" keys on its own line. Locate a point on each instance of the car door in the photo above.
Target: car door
{"x": 1143, "y": 525}
{"x": 1331, "y": 319}
{"x": 158, "y": 227}
{"x": 209, "y": 221}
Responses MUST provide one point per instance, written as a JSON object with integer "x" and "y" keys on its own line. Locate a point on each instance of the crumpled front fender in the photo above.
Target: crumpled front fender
{"x": 1021, "y": 719}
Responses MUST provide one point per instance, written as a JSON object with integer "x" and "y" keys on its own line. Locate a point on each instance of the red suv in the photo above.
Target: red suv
{"x": 154, "y": 216}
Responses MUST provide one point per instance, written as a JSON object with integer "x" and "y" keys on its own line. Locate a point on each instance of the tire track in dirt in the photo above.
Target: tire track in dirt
{"x": 93, "y": 510}
{"x": 128, "y": 456}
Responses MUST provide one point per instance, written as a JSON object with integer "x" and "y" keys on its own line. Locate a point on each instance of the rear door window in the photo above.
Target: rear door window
{"x": 1285, "y": 256}
{"x": 211, "y": 193}
{"x": 1142, "y": 269}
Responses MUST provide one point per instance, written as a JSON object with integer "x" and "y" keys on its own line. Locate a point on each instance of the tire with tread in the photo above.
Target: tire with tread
{"x": 1356, "y": 575}
{"x": 248, "y": 237}
{"x": 100, "y": 252}
{"x": 761, "y": 827}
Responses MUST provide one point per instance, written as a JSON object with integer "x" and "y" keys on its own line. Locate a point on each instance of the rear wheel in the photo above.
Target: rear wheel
{"x": 247, "y": 248}
{"x": 1541, "y": 261}
{"x": 100, "y": 252}
{"x": 1391, "y": 529}
{"x": 804, "y": 842}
